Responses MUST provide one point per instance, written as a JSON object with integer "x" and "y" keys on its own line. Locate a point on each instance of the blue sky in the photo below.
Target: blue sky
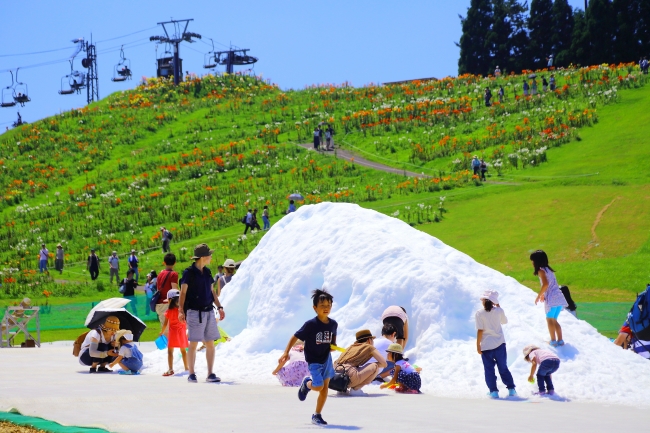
{"x": 298, "y": 42}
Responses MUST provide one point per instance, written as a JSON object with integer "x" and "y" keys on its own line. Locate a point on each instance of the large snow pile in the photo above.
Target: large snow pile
{"x": 369, "y": 261}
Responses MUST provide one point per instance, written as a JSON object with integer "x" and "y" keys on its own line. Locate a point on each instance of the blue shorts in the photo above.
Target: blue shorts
{"x": 133, "y": 363}
{"x": 554, "y": 312}
{"x": 321, "y": 372}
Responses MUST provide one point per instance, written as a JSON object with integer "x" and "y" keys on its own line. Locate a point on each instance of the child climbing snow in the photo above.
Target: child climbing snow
{"x": 550, "y": 294}
{"x": 545, "y": 363}
{"x": 293, "y": 372}
{"x": 318, "y": 334}
{"x": 407, "y": 377}
{"x": 491, "y": 343}
{"x": 130, "y": 357}
{"x": 177, "y": 332}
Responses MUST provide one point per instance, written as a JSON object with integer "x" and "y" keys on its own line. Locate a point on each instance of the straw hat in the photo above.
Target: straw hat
{"x": 111, "y": 323}
{"x": 395, "y": 348}
{"x": 127, "y": 334}
{"x": 363, "y": 334}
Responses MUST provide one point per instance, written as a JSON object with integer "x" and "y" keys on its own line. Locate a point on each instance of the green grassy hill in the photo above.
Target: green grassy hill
{"x": 567, "y": 173}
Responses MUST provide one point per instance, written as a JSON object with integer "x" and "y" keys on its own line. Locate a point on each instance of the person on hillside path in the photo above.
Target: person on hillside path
{"x": 58, "y": 260}
{"x": 197, "y": 300}
{"x": 93, "y": 265}
{"x": 476, "y": 165}
{"x": 292, "y": 207}
{"x": 551, "y": 83}
{"x": 549, "y": 61}
{"x": 497, "y": 72}
{"x": 130, "y": 284}
{"x": 491, "y": 344}
{"x": 321, "y": 136}
{"x": 550, "y": 294}
{"x": 488, "y": 97}
{"x": 43, "y": 256}
{"x": 397, "y": 317}
{"x": 533, "y": 87}
{"x": 544, "y": 84}
{"x": 133, "y": 265}
{"x": 316, "y": 138}
{"x": 265, "y": 218}
{"x": 355, "y": 361}
{"x": 165, "y": 240}
{"x": 526, "y": 87}
{"x": 255, "y": 225}
{"x": 249, "y": 221}
{"x": 114, "y": 267}
{"x": 330, "y": 140}
{"x": 484, "y": 169}
{"x": 167, "y": 280}
{"x": 501, "y": 94}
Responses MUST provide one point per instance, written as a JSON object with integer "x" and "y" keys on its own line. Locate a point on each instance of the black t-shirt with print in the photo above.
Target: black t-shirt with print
{"x": 317, "y": 337}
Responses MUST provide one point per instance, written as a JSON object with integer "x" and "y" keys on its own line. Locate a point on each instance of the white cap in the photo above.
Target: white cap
{"x": 491, "y": 295}
{"x": 128, "y": 336}
{"x": 229, "y": 263}
{"x": 173, "y": 293}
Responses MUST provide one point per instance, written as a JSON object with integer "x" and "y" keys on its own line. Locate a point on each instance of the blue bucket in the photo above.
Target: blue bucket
{"x": 161, "y": 342}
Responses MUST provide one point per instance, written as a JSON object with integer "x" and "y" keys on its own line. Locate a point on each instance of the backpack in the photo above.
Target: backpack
{"x": 170, "y": 235}
{"x": 639, "y": 316}
{"x": 191, "y": 297}
{"x": 76, "y": 346}
{"x": 567, "y": 295}
{"x": 156, "y": 295}
{"x": 122, "y": 288}
{"x": 243, "y": 220}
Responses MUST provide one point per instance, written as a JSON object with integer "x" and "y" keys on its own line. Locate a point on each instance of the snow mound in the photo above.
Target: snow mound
{"x": 369, "y": 261}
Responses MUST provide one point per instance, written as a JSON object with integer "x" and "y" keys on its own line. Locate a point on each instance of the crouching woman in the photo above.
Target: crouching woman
{"x": 97, "y": 349}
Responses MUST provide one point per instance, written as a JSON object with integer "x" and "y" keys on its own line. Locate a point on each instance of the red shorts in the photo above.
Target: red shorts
{"x": 625, "y": 329}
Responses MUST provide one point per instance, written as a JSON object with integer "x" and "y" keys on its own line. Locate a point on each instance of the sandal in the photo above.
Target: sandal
{"x": 168, "y": 373}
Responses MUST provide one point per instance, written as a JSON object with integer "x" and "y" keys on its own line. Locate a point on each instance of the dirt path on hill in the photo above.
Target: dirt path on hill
{"x": 594, "y": 236}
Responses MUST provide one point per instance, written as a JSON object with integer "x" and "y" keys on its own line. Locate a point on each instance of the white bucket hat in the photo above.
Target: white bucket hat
{"x": 491, "y": 295}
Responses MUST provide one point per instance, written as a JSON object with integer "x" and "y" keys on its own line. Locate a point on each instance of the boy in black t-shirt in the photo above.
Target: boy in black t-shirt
{"x": 318, "y": 334}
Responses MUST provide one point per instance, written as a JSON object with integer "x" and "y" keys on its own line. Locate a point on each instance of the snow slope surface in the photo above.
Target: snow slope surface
{"x": 369, "y": 261}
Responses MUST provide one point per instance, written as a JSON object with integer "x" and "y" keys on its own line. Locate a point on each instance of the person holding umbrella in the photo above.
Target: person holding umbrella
{"x": 197, "y": 299}
{"x": 97, "y": 349}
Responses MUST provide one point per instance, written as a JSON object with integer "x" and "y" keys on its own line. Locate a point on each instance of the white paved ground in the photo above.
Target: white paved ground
{"x": 49, "y": 383}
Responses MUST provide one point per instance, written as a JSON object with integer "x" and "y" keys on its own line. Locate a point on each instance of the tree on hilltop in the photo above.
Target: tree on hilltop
{"x": 475, "y": 53}
{"x": 540, "y": 26}
{"x": 601, "y": 31}
{"x": 562, "y": 15}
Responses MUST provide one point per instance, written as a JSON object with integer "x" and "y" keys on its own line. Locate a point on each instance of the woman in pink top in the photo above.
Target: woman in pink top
{"x": 397, "y": 317}
{"x": 548, "y": 363}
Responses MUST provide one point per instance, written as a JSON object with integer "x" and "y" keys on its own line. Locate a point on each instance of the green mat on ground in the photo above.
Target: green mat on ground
{"x": 607, "y": 317}
{"x": 43, "y": 424}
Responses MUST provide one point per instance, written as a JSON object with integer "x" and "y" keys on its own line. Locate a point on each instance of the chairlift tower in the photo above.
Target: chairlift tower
{"x": 90, "y": 63}
{"x": 174, "y": 36}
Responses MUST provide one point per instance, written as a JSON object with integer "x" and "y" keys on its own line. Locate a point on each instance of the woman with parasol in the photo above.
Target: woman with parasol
{"x": 97, "y": 348}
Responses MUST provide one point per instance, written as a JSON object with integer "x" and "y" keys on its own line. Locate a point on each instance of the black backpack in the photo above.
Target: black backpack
{"x": 192, "y": 301}
{"x": 567, "y": 295}
{"x": 170, "y": 235}
{"x": 639, "y": 316}
{"x": 243, "y": 220}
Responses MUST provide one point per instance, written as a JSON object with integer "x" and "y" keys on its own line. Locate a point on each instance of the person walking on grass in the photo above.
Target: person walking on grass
{"x": 114, "y": 267}
{"x": 550, "y": 294}
{"x": 177, "y": 332}
{"x": 491, "y": 344}
{"x": 167, "y": 280}
{"x": 254, "y": 224}
{"x": 196, "y": 299}
{"x": 547, "y": 362}
{"x": 330, "y": 140}
{"x": 133, "y": 265}
{"x": 484, "y": 169}
{"x": 43, "y": 256}
{"x": 476, "y": 165}
{"x": 249, "y": 221}
{"x": 526, "y": 87}
{"x": 501, "y": 93}
{"x": 265, "y": 218}
{"x": 58, "y": 260}
{"x": 166, "y": 238}
{"x": 93, "y": 265}
{"x": 316, "y": 138}
{"x": 318, "y": 334}
{"x": 551, "y": 83}
{"x": 129, "y": 284}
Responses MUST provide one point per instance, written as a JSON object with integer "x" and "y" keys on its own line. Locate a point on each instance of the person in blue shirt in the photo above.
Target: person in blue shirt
{"x": 292, "y": 207}
{"x": 133, "y": 265}
{"x": 318, "y": 334}
{"x": 476, "y": 164}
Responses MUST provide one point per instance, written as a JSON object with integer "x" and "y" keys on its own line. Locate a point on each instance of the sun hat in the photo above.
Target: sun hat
{"x": 363, "y": 334}
{"x": 395, "y": 348}
{"x": 59, "y": 246}
{"x": 132, "y": 251}
{"x": 26, "y": 302}
{"x": 229, "y": 263}
{"x": 111, "y": 323}
{"x": 491, "y": 295}
{"x": 202, "y": 250}
{"x": 173, "y": 293}
{"x": 529, "y": 349}
{"x": 127, "y": 334}
{"x": 114, "y": 252}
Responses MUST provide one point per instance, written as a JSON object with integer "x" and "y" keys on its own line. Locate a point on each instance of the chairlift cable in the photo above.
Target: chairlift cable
{"x": 124, "y": 36}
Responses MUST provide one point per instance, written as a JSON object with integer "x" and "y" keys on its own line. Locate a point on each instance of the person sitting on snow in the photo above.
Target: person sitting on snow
{"x": 355, "y": 360}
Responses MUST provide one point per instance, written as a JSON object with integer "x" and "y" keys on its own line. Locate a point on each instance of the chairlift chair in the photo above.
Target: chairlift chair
{"x": 8, "y": 97}
{"x": 122, "y": 70}
{"x": 20, "y": 92}
{"x": 210, "y": 59}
